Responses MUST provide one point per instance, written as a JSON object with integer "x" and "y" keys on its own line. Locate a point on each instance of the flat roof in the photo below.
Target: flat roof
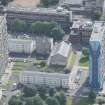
{"x": 98, "y": 31}
{"x": 37, "y": 10}
{"x": 73, "y": 2}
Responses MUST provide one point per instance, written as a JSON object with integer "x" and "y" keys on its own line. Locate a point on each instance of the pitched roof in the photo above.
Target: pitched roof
{"x": 61, "y": 48}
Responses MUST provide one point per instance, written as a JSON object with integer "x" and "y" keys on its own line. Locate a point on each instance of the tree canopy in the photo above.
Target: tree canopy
{"x": 48, "y": 3}
{"x": 61, "y": 97}
{"x": 15, "y": 101}
{"x": 50, "y": 29}
{"x": 52, "y": 101}
{"x": 29, "y": 91}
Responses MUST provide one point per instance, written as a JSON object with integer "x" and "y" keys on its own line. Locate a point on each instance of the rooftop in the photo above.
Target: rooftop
{"x": 59, "y": 10}
{"x": 73, "y": 2}
{"x": 98, "y": 31}
{"x": 82, "y": 23}
{"x": 61, "y": 48}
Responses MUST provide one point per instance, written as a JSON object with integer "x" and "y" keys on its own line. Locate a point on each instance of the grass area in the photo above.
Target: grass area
{"x": 84, "y": 61}
{"x": 7, "y": 84}
{"x": 41, "y": 66}
{"x": 71, "y": 60}
{"x": 38, "y": 65}
{"x": 69, "y": 101}
{"x": 18, "y": 67}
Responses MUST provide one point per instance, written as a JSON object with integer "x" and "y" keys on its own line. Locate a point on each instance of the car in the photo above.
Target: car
{"x": 14, "y": 86}
{"x": 78, "y": 76}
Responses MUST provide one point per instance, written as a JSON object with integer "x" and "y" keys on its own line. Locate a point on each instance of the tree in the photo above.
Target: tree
{"x": 15, "y": 101}
{"x": 51, "y": 91}
{"x": 52, "y": 101}
{"x": 19, "y": 26}
{"x": 57, "y": 33}
{"x": 85, "y": 52}
{"x": 42, "y": 92}
{"x": 4, "y": 2}
{"x": 47, "y": 3}
{"x": 29, "y": 101}
{"x": 100, "y": 100}
{"x": 97, "y": 15}
{"x": 42, "y": 27}
{"x": 92, "y": 96}
{"x": 29, "y": 91}
{"x": 37, "y": 100}
{"x": 61, "y": 97}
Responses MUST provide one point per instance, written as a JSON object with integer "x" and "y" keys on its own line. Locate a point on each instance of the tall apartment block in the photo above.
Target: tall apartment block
{"x": 3, "y": 45}
{"x": 97, "y": 56}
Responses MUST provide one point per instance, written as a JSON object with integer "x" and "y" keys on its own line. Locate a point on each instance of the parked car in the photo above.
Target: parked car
{"x": 78, "y": 76}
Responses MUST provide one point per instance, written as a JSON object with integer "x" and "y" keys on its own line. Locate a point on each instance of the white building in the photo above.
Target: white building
{"x": 21, "y": 45}
{"x": 59, "y": 54}
{"x": 42, "y": 78}
{"x": 3, "y": 45}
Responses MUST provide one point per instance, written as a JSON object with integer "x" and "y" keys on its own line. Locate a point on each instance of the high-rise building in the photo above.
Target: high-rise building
{"x": 3, "y": 45}
{"x": 97, "y": 55}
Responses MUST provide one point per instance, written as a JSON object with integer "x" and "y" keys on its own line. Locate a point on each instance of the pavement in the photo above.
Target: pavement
{"x": 76, "y": 88}
{"x": 7, "y": 74}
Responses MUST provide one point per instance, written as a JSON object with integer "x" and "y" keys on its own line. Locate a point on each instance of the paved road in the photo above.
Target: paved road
{"x": 8, "y": 73}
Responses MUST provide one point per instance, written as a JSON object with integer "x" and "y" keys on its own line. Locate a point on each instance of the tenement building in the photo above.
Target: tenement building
{"x": 30, "y": 15}
{"x": 97, "y": 55}
{"x": 3, "y": 45}
{"x": 46, "y": 79}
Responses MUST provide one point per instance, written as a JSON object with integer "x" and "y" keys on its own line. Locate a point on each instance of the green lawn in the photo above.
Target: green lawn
{"x": 71, "y": 60}
{"x": 18, "y": 67}
{"x": 69, "y": 101}
{"x": 84, "y": 61}
{"x": 7, "y": 84}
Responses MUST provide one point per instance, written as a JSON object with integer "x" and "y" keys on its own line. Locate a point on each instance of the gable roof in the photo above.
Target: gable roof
{"x": 61, "y": 48}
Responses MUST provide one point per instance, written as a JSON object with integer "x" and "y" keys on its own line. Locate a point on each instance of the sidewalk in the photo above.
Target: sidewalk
{"x": 7, "y": 74}
{"x": 75, "y": 69}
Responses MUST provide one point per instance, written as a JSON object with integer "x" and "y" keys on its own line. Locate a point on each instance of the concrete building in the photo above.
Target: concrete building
{"x": 72, "y": 2}
{"x": 30, "y": 15}
{"x": 59, "y": 54}
{"x": 21, "y": 46}
{"x": 99, "y": 3}
{"x": 44, "y": 45}
{"x": 3, "y": 45}
{"x": 81, "y": 32}
{"x": 86, "y": 30}
{"x": 103, "y": 10}
{"x": 97, "y": 55}
{"x": 47, "y": 79}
